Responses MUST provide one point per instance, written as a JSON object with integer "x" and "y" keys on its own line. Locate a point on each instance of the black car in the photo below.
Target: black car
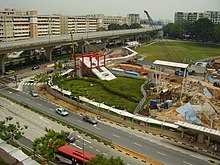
{"x": 90, "y": 119}
{"x": 35, "y": 67}
{"x": 70, "y": 138}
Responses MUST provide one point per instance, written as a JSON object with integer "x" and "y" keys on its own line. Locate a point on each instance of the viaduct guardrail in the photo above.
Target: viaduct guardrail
{"x": 6, "y": 47}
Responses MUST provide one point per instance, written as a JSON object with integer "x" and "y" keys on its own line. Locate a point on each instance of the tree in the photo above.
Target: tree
{"x": 56, "y": 78}
{"x": 180, "y": 29}
{"x": 114, "y": 27}
{"x": 125, "y": 26}
{"x": 101, "y": 160}
{"x": 101, "y": 29}
{"x": 203, "y": 29}
{"x": 79, "y": 91}
{"x": 48, "y": 144}
{"x": 135, "y": 26}
{"x": 9, "y": 131}
{"x": 216, "y": 33}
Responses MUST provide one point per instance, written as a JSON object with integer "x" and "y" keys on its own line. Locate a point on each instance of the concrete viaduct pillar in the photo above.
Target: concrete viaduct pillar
{"x": 82, "y": 47}
{"x": 2, "y": 63}
{"x": 48, "y": 51}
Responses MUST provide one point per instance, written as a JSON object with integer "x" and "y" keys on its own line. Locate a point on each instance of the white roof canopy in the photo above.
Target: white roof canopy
{"x": 198, "y": 128}
{"x": 172, "y": 64}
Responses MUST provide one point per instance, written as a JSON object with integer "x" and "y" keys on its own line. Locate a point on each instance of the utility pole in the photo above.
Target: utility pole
{"x": 74, "y": 58}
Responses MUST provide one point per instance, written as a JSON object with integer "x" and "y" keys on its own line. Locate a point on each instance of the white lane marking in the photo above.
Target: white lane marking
{"x": 87, "y": 141}
{"x": 187, "y": 163}
{"x": 28, "y": 99}
{"x": 77, "y": 146}
{"x": 39, "y": 104}
{"x": 116, "y": 136}
{"x": 97, "y": 150}
{"x": 104, "y": 154}
{"x": 37, "y": 131}
{"x": 51, "y": 109}
{"x": 90, "y": 146}
{"x": 44, "y": 120}
{"x": 137, "y": 144}
{"x": 80, "y": 121}
{"x": 97, "y": 128}
{"x": 10, "y": 92}
{"x": 161, "y": 153}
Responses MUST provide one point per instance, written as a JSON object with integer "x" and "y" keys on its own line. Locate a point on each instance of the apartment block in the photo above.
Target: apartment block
{"x": 133, "y": 18}
{"x": 16, "y": 24}
{"x": 214, "y": 16}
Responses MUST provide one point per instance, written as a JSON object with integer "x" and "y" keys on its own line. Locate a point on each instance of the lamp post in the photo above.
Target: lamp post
{"x": 111, "y": 107}
{"x": 161, "y": 128}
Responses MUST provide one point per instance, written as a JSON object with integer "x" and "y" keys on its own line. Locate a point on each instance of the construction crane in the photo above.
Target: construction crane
{"x": 162, "y": 44}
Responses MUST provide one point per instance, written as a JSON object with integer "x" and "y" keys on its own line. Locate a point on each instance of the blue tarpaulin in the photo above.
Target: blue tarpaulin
{"x": 188, "y": 113}
{"x": 207, "y": 93}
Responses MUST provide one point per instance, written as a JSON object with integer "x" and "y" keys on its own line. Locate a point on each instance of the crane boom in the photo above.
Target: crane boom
{"x": 163, "y": 46}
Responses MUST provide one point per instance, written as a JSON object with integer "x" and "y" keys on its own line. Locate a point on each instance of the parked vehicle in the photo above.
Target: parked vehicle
{"x": 62, "y": 111}
{"x": 9, "y": 72}
{"x": 90, "y": 119}
{"x": 35, "y": 67}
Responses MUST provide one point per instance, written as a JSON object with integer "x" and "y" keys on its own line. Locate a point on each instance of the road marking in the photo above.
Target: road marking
{"x": 87, "y": 141}
{"x": 90, "y": 146}
{"x": 97, "y": 128}
{"x": 44, "y": 120}
{"x": 137, "y": 144}
{"x": 37, "y": 131}
{"x": 116, "y": 136}
{"x": 80, "y": 121}
{"x": 187, "y": 163}
{"x": 77, "y": 146}
{"x": 97, "y": 150}
{"x": 104, "y": 154}
{"x": 161, "y": 153}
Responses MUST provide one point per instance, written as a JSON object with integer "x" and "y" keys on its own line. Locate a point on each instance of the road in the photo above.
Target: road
{"x": 37, "y": 123}
{"x": 152, "y": 146}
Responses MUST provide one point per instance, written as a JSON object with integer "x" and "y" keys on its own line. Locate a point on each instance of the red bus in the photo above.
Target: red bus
{"x": 70, "y": 155}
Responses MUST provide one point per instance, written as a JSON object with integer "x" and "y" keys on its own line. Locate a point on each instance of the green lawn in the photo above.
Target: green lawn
{"x": 130, "y": 86}
{"x": 178, "y": 50}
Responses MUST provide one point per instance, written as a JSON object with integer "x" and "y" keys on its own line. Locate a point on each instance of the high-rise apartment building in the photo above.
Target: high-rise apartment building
{"x": 214, "y": 16}
{"x": 16, "y": 24}
{"x": 133, "y": 18}
{"x": 105, "y": 21}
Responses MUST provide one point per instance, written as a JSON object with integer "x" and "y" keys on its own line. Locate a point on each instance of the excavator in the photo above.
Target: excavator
{"x": 162, "y": 44}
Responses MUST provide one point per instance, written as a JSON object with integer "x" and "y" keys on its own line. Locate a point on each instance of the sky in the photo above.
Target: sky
{"x": 158, "y": 9}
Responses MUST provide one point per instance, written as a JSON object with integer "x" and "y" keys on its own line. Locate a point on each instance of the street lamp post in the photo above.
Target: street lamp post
{"x": 111, "y": 107}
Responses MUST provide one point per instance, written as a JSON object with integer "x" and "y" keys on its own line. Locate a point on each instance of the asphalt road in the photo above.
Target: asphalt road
{"x": 139, "y": 145}
{"x": 36, "y": 128}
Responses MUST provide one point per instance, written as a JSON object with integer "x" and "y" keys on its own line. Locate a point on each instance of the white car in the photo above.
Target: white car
{"x": 61, "y": 111}
{"x": 34, "y": 93}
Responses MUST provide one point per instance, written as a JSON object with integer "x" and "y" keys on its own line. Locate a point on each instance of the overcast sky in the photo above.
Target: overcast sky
{"x": 158, "y": 9}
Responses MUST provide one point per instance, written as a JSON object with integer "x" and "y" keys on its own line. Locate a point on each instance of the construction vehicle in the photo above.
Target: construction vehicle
{"x": 163, "y": 46}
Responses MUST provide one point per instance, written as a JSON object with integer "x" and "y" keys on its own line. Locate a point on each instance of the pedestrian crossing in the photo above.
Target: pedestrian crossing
{"x": 30, "y": 84}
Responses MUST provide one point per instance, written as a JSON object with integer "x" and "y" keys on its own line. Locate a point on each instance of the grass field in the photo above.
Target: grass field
{"x": 100, "y": 94}
{"x": 178, "y": 50}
